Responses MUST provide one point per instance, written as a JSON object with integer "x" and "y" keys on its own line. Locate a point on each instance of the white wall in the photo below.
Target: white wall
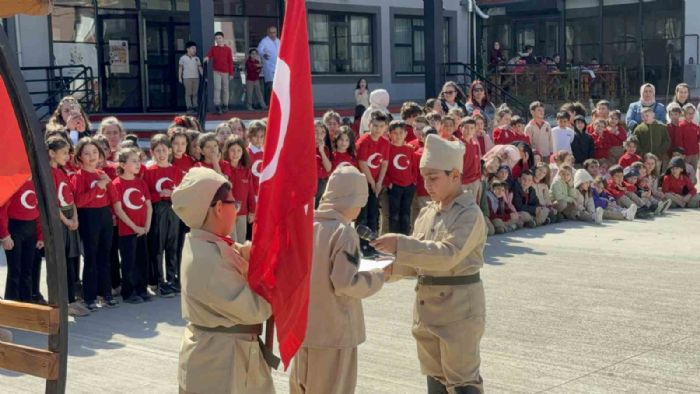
{"x": 341, "y": 93}
{"x": 692, "y": 14}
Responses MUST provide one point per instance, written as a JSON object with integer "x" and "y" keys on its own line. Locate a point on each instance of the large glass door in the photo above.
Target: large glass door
{"x": 120, "y": 68}
{"x": 165, "y": 43}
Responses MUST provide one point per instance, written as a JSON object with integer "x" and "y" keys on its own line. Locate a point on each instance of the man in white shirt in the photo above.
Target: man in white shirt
{"x": 562, "y": 135}
{"x": 269, "y": 48}
{"x": 188, "y": 74}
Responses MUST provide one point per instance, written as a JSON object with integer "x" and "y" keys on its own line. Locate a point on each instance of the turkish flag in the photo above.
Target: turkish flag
{"x": 280, "y": 261}
{"x": 14, "y": 170}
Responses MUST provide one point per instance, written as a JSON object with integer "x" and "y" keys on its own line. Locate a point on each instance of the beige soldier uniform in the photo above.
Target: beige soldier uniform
{"x": 220, "y": 351}
{"x": 446, "y": 254}
{"x": 327, "y": 361}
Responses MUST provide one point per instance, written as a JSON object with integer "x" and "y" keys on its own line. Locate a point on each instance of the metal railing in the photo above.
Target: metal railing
{"x": 48, "y": 85}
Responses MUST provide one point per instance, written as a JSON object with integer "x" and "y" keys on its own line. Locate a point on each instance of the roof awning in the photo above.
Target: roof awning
{"x": 10, "y": 8}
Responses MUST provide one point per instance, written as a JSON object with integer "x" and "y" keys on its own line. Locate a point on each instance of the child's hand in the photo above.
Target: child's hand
{"x": 40, "y": 245}
{"x": 166, "y": 193}
{"x": 388, "y": 270}
{"x": 251, "y": 217}
{"x": 102, "y": 184}
{"x": 139, "y": 230}
{"x": 8, "y": 243}
{"x": 73, "y": 225}
{"x": 244, "y": 250}
{"x": 378, "y": 189}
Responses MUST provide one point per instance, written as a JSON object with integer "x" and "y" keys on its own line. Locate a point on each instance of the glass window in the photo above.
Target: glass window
{"x": 157, "y": 4}
{"x": 182, "y": 5}
{"x": 409, "y": 44}
{"x": 340, "y": 43}
{"x": 116, "y": 3}
{"x": 582, "y": 40}
{"x": 228, "y": 7}
{"x": 262, "y": 7}
{"x": 69, "y": 24}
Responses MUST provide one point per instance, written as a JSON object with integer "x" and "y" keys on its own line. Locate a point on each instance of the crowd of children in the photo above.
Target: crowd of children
{"x": 115, "y": 199}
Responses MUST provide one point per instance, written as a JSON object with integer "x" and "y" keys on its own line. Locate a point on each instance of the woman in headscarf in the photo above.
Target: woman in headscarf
{"x": 647, "y": 98}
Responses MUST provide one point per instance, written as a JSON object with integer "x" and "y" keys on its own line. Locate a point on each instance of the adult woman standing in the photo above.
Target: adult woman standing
{"x": 478, "y": 102}
{"x": 362, "y": 93}
{"x": 496, "y": 59}
{"x": 451, "y": 97}
{"x": 682, "y": 97}
{"x": 647, "y": 98}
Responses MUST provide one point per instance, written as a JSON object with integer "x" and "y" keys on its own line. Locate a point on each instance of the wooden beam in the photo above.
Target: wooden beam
{"x": 29, "y": 317}
{"x": 36, "y": 362}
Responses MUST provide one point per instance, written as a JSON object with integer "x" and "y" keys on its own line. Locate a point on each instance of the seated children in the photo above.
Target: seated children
{"x": 603, "y": 200}
{"x": 541, "y": 183}
{"x": 563, "y": 193}
{"x": 677, "y": 186}
{"x": 631, "y": 176}
{"x": 525, "y": 200}
{"x": 689, "y": 168}
{"x": 585, "y": 206}
{"x": 592, "y": 166}
{"x": 630, "y": 155}
{"x": 502, "y": 216}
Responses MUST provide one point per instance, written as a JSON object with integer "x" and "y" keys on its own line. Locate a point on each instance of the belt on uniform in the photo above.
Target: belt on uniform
{"x": 448, "y": 280}
{"x": 255, "y": 329}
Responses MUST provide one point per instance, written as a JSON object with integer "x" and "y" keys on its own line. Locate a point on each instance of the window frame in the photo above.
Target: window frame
{"x": 331, "y": 37}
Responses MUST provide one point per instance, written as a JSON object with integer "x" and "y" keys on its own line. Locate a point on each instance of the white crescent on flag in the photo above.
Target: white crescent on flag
{"x": 24, "y": 199}
{"x": 282, "y": 91}
{"x": 397, "y": 162}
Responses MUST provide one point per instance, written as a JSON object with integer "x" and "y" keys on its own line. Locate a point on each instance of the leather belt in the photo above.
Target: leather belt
{"x": 448, "y": 280}
{"x": 254, "y": 329}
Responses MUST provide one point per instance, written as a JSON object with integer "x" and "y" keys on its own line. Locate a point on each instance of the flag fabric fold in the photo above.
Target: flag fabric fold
{"x": 14, "y": 170}
{"x": 281, "y": 255}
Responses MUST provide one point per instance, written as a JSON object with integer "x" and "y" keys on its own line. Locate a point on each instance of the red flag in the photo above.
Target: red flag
{"x": 283, "y": 239}
{"x": 14, "y": 170}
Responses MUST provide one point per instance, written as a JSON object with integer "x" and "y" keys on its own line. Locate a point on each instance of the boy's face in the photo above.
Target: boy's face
{"x": 192, "y": 50}
{"x": 599, "y": 127}
{"x": 632, "y": 180}
{"x": 648, "y": 117}
{"x": 224, "y": 213}
{"x": 219, "y": 40}
{"x": 618, "y": 177}
{"x": 594, "y": 170}
{"x": 439, "y": 184}
{"x": 538, "y": 113}
{"x": 563, "y": 123}
{"x": 603, "y": 111}
{"x": 398, "y": 136}
{"x": 499, "y": 191}
{"x": 160, "y": 153}
{"x": 377, "y": 128}
{"x": 526, "y": 181}
{"x": 448, "y": 126}
{"x": 257, "y": 138}
{"x": 468, "y": 130}
{"x": 631, "y": 148}
{"x": 674, "y": 115}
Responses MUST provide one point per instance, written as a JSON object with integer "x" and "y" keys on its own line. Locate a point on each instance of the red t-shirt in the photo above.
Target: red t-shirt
{"x": 420, "y": 183}
{"x": 64, "y": 191}
{"x": 70, "y": 168}
{"x": 401, "y": 171}
{"x": 86, "y": 192}
{"x": 521, "y": 137}
{"x": 472, "y": 162}
{"x": 616, "y": 191}
{"x": 321, "y": 172}
{"x": 133, "y": 195}
{"x": 242, "y": 183}
{"x": 252, "y": 70}
{"x": 343, "y": 158}
{"x": 225, "y": 167}
{"x": 184, "y": 163}
{"x": 669, "y": 184}
{"x": 416, "y": 144}
{"x": 687, "y": 136}
{"x": 410, "y": 134}
{"x": 503, "y": 136}
{"x": 161, "y": 178}
{"x": 256, "y": 161}
{"x": 620, "y": 137}
{"x": 21, "y": 206}
{"x": 627, "y": 159}
{"x": 373, "y": 153}
{"x": 602, "y": 144}
{"x": 222, "y": 59}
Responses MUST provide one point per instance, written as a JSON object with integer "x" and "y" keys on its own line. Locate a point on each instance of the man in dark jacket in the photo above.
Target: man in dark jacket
{"x": 526, "y": 202}
{"x": 582, "y": 146}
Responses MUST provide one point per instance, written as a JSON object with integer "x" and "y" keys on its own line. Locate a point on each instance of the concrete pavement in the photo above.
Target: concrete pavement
{"x": 571, "y": 308}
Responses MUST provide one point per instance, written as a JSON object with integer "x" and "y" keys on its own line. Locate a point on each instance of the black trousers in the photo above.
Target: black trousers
{"x": 163, "y": 242}
{"x": 320, "y": 188}
{"x": 70, "y": 269}
{"x": 96, "y": 234}
{"x": 114, "y": 268}
{"x": 36, "y": 273}
{"x": 400, "y": 200}
{"x": 369, "y": 216}
{"x": 182, "y": 231}
{"x": 20, "y": 260}
{"x": 133, "y": 253}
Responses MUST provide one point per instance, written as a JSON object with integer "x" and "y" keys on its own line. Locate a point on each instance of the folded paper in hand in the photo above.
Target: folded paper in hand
{"x": 371, "y": 265}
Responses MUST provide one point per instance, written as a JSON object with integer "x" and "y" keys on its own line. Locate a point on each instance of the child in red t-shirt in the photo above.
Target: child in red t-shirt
{"x": 242, "y": 183}
{"x": 179, "y": 143}
{"x": 410, "y": 111}
{"x": 134, "y": 211}
{"x": 373, "y": 155}
{"x": 471, "y": 172}
{"x": 94, "y": 197}
{"x": 400, "y": 179}
{"x": 253, "y": 67}
{"x": 630, "y": 155}
{"x": 503, "y": 132}
{"x": 323, "y": 159}
{"x": 517, "y": 124}
{"x": 602, "y": 139}
{"x": 161, "y": 178}
{"x": 619, "y": 135}
{"x": 344, "y": 148}
{"x": 678, "y": 187}
{"x": 211, "y": 155}
{"x": 256, "y": 139}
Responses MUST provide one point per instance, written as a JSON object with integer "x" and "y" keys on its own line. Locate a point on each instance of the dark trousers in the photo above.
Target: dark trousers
{"x": 96, "y": 234}
{"x": 36, "y": 274}
{"x": 20, "y": 260}
{"x": 114, "y": 269}
{"x": 163, "y": 242}
{"x": 268, "y": 91}
{"x": 400, "y": 200}
{"x": 70, "y": 270}
{"x": 133, "y": 253}
{"x": 182, "y": 231}
{"x": 320, "y": 188}
{"x": 369, "y": 216}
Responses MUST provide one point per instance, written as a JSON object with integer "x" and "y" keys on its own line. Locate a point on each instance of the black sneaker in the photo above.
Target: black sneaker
{"x": 92, "y": 307}
{"x": 145, "y": 297}
{"x": 39, "y": 299}
{"x": 175, "y": 287}
{"x": 134, "y": 299}
{"x": 110, "y": 303}
{"x": 165, "y": 291}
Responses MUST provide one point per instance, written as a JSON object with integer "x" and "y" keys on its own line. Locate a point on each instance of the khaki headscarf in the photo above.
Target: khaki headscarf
{"x": 346, "y": 188}
{"x": 191, "y": 200}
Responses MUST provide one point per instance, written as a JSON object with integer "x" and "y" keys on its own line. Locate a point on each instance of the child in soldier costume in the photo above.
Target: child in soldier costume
{"x": 446, "y": 254}
{"x": 327, "y": 360}
{"x": 221, "y": 351}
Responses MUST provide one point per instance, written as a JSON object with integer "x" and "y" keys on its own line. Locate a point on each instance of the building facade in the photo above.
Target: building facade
{"x": 132, "y": 47}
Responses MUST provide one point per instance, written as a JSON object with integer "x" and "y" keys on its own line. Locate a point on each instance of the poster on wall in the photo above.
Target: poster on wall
{"x": 119, "y": 56}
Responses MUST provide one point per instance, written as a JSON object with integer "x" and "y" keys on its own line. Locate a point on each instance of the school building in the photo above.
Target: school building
{"x": 653, "y": 41}
{"x": 121, "y": 56}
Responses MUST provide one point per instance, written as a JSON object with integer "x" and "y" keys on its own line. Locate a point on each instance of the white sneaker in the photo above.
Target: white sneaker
{"x": 599, "y": 215}
{"x": 631, "y": 212}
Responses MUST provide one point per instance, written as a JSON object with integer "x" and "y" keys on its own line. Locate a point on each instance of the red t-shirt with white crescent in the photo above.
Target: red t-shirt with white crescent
{"x": 242, "y": 183}
{"x": 256, "y": 167}
{"x": 64, "y": 191}
{"x": 401, "y": 171}
{"x": 321, "y": 172}
{"x": 343, "y": 158}
{"x": 133, "y": 195}
{"x": 21, "y": 206}
{"x": 472, "y": 162}
{"x": 161, "y": 178}
{"x": 183, "y": 164}
{"x": 373, "y": 153}
{"x": 86, "y": 192}
{"x": 225, "y": 167}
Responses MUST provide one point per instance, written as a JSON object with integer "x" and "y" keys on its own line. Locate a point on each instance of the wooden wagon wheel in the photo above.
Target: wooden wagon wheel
{"x": 51, "y": 363}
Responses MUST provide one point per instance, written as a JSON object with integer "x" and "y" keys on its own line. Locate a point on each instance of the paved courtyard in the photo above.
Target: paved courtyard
{"x": 571, "y": 308}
